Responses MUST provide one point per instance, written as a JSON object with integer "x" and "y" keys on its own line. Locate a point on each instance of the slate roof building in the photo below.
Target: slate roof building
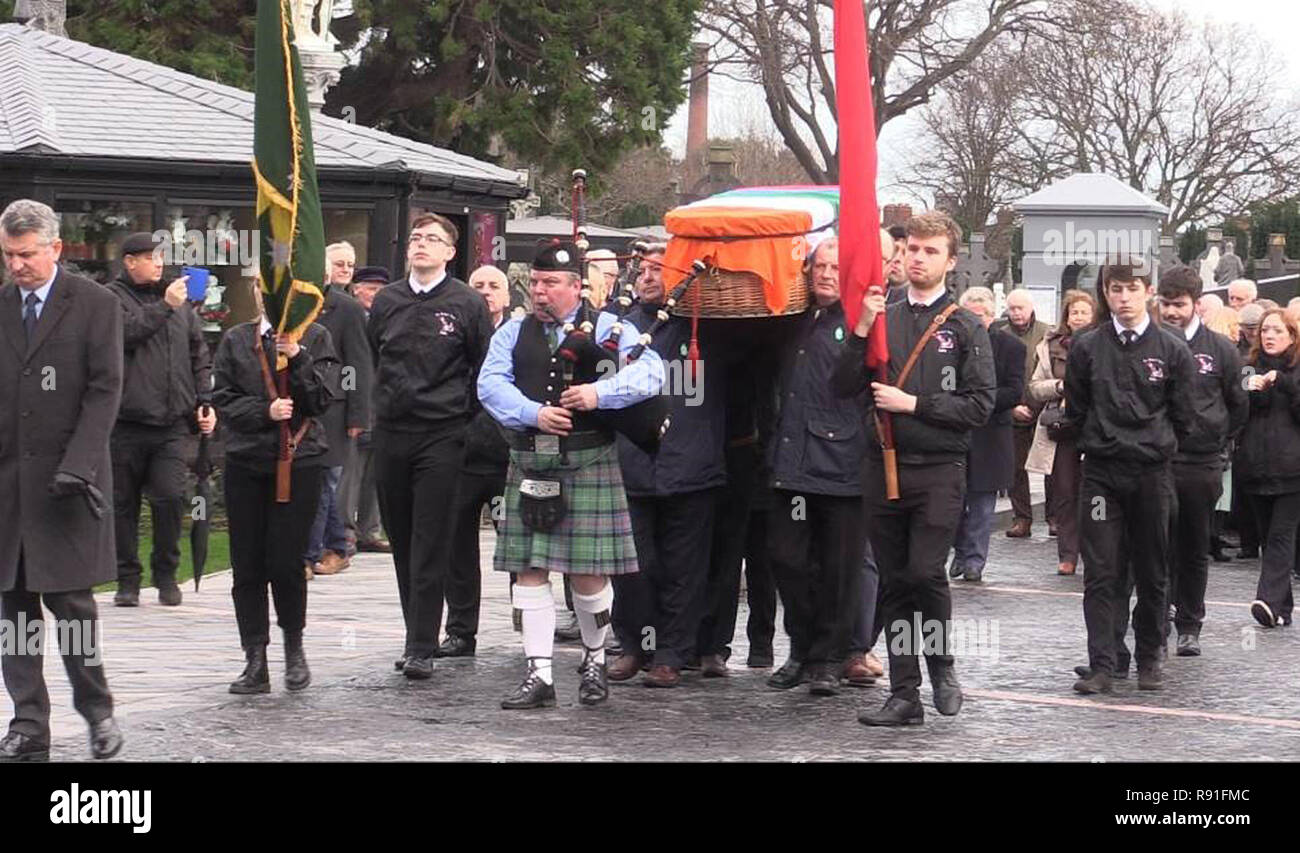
{"x": 116, "y": 144}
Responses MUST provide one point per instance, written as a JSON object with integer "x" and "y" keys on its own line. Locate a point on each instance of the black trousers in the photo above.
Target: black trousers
{"x": 1277, "y": 517}
{"x": 24, "y": 672}
{"x": 657, "y": 610}
{"x": 1197, "y": 488}
{"x": 1124, "y": 524}
{"x": 760, "y": 586}
{"x": 817, "y": 560}
{"x": 148, "y": 461}
{"x": 730, "y": 532}
{"x": 267, "y": 541}
{"x": 1243, "y": 517}
{"x": 416, "y": 475}
{"x": 464, "y": 580}
{"x": 911, "y": 538}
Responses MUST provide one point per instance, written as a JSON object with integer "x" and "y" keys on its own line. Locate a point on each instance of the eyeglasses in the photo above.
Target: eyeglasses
{"x": 420, "y": 239}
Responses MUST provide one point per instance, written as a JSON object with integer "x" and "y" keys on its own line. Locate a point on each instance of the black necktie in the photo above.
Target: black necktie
{"x": 29, "y": 315}
{"x": 917, "y": 308}
{"x": 1129, "y": 336}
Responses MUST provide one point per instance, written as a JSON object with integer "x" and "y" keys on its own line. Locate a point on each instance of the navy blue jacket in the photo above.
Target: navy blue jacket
{"x": 690, "y": 456}
{"x": 820, "y": 438}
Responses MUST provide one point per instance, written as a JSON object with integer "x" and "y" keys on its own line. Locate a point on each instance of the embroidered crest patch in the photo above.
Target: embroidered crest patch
{"x": 1155, "y": 369}
{"x": 946, "y": 340}
{"x": 1204, "y": 363}
{"x": 446, "y": 323}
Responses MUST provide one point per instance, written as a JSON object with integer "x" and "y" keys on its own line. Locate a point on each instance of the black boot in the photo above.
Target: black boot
{"x": 128, "y": 593}
{"x": 255, "y": 677}
{"x": 296, "y": 674}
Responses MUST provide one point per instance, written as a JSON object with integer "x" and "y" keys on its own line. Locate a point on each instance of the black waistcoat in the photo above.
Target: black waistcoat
{"x": 539, "y": 374}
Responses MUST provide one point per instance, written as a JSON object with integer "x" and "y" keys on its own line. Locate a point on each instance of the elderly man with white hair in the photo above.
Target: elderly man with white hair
{"x": 1208, "y": 304}
{"x": 992, "y": 449}
{"x": 1242, "y": 292}
{"x": 1029, "y": 330}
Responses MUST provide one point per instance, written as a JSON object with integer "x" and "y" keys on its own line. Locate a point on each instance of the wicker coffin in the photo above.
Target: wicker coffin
{"x": 727, "y": 294}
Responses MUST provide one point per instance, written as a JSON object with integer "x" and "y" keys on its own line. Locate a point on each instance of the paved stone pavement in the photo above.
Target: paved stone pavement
{"x": 169, "y": 669}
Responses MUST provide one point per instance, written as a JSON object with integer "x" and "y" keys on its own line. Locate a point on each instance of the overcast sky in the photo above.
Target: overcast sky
{"x": 735, "y": 108}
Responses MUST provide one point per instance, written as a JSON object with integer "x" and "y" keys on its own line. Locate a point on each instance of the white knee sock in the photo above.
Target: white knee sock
{"x": 536, "y": 608}
{"x": 593, "y": 618}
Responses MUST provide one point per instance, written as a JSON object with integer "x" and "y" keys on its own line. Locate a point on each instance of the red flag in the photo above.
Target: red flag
{"x": 860, "y": 252}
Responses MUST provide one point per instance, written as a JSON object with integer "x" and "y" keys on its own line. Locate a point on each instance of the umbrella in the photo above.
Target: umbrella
{"x": 199, "y": 532}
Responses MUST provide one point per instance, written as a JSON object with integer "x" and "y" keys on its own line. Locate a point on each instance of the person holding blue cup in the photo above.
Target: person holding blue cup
{"x": 166, "y": 395}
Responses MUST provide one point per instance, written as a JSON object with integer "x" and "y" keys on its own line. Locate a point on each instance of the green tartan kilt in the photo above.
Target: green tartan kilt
{"x": 595, "y": 535}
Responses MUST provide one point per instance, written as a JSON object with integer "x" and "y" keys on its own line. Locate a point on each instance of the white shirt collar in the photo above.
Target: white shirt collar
{"x": 263, "y": 326}
{"x": 425, "y": 288}
{"x": 1140, "y": 328}
{"x": 913, "y": 300}
{"x": 1192, "y": 328}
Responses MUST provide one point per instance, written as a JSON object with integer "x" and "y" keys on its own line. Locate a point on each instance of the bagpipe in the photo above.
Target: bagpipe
{"x": 644, "y": 423}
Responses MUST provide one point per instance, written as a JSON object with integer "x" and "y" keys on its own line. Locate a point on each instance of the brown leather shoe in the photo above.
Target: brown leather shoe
{"x": 1065, "y": 569}
{"x": 855, "y": 672}
{"x": 713, "y": 666}
{"x": 662, "y": 675}
{"x": 874, "y": 666}
{"x": 1020, "y": 529}
{"x": 623, "y": 668}
{"x": 331, "y": 564}
{"x": 374, "y": 546}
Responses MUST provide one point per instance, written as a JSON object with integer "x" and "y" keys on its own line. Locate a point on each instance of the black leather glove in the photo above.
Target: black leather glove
{"x": 67, "y": 485}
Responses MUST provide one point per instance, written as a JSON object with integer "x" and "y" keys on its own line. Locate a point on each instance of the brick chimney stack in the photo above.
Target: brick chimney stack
{"x": 697, "y": 122}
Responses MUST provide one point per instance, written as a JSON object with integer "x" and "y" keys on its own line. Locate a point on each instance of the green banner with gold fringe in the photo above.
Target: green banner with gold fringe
{"x": 292, "y": 250}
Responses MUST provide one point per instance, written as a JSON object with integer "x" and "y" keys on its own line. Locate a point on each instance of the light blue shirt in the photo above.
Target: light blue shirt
{"x": 42, "y": 293}
{"x": 635, "y": 382}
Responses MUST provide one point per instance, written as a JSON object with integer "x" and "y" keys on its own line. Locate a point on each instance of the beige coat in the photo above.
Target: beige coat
{"x": 1041, "y": 390}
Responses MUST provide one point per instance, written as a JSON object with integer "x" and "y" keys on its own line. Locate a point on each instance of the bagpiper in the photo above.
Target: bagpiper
{"x": 565, "y": 506}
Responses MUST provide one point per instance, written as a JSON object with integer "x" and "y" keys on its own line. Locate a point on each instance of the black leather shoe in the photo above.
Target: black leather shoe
{"x": 791, "y": 674}
{"x": 456, "y": 646}
{"x": 400, "y": 663}
{"x": 824, "y": 679}
{"x": 255, "y": 678}
{"x": 128, "y": 595}
{"x": 15, "y": 747}
{"x": 593, "y": 686}
{"x": 947, "y": 692}
{"x": 418, "y": 668}
{"x": 531, "y": 693}
{"x": 1189, "y": 646}
{"x": 296, "y": 674}
{"x": 973, "y": 575}
{"x": 760, "y": 659}
{"x": 1149, "y": 677}
{"x": 169, "y": 595}
{"x": 955, "y": 569}
{"x": 896, "y": 712}
{"x": 1095, "y": 682}
{"x": 105, "y": 739}
{"x": 1248, "y": 554}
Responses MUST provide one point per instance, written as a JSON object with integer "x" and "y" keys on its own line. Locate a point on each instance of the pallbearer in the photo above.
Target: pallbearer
{"x": 565, "y": 508}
